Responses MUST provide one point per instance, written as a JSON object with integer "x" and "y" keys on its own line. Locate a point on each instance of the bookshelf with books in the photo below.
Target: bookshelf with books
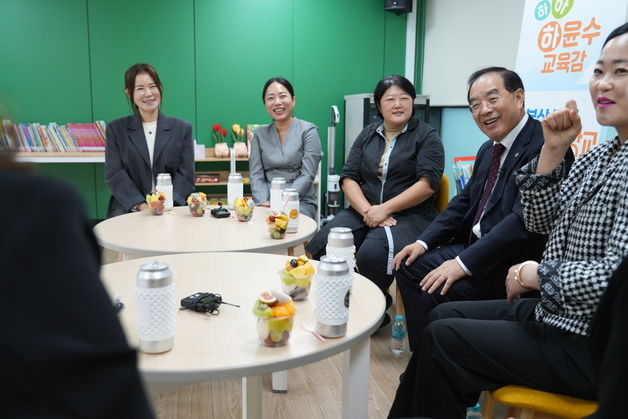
{"x": 81, "y": 138}
{"x": 52, "y": 147}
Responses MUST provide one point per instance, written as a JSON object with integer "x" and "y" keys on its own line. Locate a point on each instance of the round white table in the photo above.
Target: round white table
{"x": 141, "y": 234}
{"x": 226, "y": 346}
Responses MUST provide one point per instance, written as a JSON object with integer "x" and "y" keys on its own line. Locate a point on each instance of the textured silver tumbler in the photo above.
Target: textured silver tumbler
{"x": 332, "y": 290}
{"x": 156, "y": 307}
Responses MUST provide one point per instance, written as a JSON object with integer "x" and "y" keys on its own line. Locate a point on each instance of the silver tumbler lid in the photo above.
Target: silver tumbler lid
{"x": 278, "y": 183}
{"x": 164, "y": 179}
{"x": 333, "y": 266}
{"x": 234, "y": 177}
{"x": 154, "y": 275}
{"x": 290, "y": 194}
{"x": 340, "y": 237}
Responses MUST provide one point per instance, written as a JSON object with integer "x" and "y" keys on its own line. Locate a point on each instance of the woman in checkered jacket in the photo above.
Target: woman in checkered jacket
{"x": 541, "y": 343}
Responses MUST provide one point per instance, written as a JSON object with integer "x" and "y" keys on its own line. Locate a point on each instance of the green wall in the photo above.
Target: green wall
{"x": 66, "y": 60}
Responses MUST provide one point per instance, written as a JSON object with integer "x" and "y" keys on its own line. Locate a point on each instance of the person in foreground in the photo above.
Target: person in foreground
{"x": 63, "y": 353}
{"x": 289, "y": 148}
{"x": 389, "y": 179}
{"x": 465, "y": 253}
{"x": 541, "y": 343}
{"x": 609, "y": 345}
{"x": 144, "y": 144}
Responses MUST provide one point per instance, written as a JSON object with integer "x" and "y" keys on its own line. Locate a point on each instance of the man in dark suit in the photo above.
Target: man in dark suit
{"x": 466, "y": 251}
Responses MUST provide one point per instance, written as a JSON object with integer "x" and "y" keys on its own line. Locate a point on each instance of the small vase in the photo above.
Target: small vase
{"x": 221, "y": 150}
{"x": 240, "y": 149}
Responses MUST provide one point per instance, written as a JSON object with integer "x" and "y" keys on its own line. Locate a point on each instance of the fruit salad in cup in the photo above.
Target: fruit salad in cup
{"x": 296, "y": 277}
{"x": 197, "y": 202}
{"x": 243, "y": 209}
{"x": 156, "y": 202}
{"x": 275, "y": 315}
{"x": 277, "y": 225}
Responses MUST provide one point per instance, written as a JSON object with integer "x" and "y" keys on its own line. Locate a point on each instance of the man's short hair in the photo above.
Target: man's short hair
{"x": 512, "y": 81}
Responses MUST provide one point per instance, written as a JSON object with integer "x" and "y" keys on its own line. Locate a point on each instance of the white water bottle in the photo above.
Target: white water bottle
{"x": 164, "y": 184}
{"x": 277, "y": 186}
{"x": 235, "y": 189}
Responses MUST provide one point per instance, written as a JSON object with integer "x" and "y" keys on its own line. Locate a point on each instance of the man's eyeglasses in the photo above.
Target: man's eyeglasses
{"x": 491, "y": 101}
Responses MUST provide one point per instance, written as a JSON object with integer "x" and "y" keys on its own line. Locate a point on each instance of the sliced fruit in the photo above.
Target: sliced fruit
{"x": 276, "y": 336}
{"x": 261, "y": 310}
{"x": 279, "y": 325}
{"x": 309, "y": 269}
{"x": 303, "y": 281}
{"x": 299, "y": 293}
{"x": 286, "y": 278}
{"x": 282, "y": 298}
{"x": 267, "y": 297}
{"x": 299, "y": 271}
{"x": 262, "y": 328}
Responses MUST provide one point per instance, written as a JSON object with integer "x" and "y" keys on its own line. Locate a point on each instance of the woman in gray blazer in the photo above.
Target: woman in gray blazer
{"x": 288, "y": 148}
{"x": 141, "y": 145}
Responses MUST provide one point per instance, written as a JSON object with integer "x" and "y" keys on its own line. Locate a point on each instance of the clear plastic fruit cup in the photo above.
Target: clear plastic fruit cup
{"x": 197, "y": 209}
{"x": 244, "y": 213}
{"x": 297, "y": 287}
{"x": 156, "y": 207}
{"x": 276, "y": 232}
{"x": 274, "y": 331}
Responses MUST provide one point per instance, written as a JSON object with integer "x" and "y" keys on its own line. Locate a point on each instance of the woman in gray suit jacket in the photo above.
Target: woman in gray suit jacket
{"x": 288, "y": 148}
{"x": 141, "y": 145}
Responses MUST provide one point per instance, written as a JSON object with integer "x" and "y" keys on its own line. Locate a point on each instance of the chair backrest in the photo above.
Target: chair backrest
{"x": 442, "y": 195}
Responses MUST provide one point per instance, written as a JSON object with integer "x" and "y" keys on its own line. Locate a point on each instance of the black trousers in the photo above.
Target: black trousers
{"x": 471, "y": 346}
{"x": 375, "y": 246}
{"x": 372, "y": 255}
{"x": 418, "y": 303}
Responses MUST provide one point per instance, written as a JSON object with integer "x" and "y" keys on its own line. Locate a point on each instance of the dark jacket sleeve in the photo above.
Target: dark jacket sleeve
{"x": 449, "y": 222}
{"x": 609, "y": 345}
{"x": 117, "y": 178}
{"x": 351, "y": 168}
{"x": 430, "y": 160}
{"x": 183, "y": 180}
{"x": 63, "y": 348}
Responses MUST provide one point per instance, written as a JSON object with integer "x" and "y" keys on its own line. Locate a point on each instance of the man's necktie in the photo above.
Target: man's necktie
{"x": 498, "y": 150}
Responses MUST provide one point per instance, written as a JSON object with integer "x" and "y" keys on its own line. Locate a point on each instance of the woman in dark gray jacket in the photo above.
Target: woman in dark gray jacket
{"x": 289, "y": 148}
{"x": 144, "y": 144}
{"x": 389, "y": 179}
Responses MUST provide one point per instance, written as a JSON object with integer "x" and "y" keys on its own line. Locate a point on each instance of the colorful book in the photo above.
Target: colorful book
{"x": 463, "y": 168}
{"x": 87, "y": 137}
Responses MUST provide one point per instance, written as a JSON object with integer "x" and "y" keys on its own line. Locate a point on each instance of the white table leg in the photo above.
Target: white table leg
{"x": 355, "y": 380}
{"x": 280, "y": 381}
{"x": 252, "y": 397}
